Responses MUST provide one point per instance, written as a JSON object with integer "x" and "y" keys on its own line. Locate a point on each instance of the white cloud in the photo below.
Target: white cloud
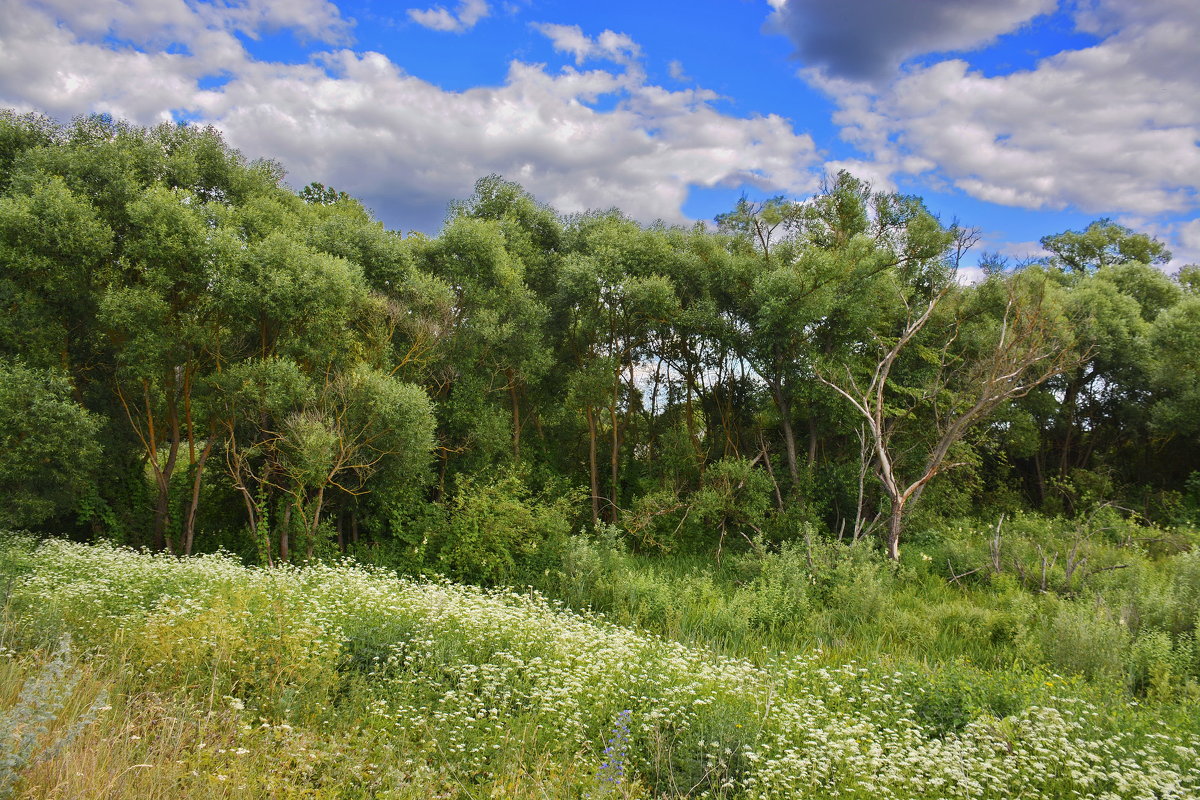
{"x": 410, "y": 146}
{"x": 1188, "y": 234}
{"x": 1181, "y": 237}
{"x": 357, "y": 121}
{"x": 676, "y": 71}
{"x": 970, "y": 275}
{"x": 571, "y": 39}
{"x": 158, "y": 22}
{"x": 1022, "y": 251}
{"x": 439, "y": 19}
{"x": 56, "y": 56}
{"x": 45, "y": 67}
{"x": 1108, "y": 128}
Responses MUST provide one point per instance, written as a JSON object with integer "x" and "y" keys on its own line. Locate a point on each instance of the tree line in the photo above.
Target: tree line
{"x": 192, "y": 354}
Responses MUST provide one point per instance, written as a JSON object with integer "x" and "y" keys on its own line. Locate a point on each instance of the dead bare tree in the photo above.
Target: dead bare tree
{"x": 1031, "y": 345}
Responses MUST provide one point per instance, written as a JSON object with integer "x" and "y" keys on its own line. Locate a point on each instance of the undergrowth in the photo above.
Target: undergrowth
{"x": 340, "y": 680}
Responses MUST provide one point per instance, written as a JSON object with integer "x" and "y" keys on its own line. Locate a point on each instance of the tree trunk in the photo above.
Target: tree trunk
{"x": 315, "y": 526}
{"x": 283, "y": 533}
{"x": 162, "y": 511}
{"x": 593, "y": 467}
{"x": 251, "y": 510}
{"x": 189, "y": 527}
{"x": 614, "y": 458}
{"x": 1070, "y": 399}
{"x": 895, "y": 523}
{"x": 771, "y": 472}
{"x": 614, "y": 466}
{"x": 516, "y": 415}
{"x": 651, "y": 426}
{"x": 1040, "y": 476}
{"x": 789, "y": 436}
{"x": 689, "y": 385}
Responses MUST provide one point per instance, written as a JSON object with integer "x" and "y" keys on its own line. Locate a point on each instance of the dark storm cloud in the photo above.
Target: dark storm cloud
{"x": 866, "y": 40}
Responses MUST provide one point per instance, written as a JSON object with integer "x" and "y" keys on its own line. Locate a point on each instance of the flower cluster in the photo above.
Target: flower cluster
{"x": 611, "y": 775}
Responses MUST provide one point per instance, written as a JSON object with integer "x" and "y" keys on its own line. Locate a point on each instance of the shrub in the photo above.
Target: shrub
{"x": 48, "y": 443}
{"x": 781, "y": 590}
{"x": 1085, "y": 640}
{"x": 32, "y": 731}
{"x": 500, "y": 531}
{"x": 952, "y": 697}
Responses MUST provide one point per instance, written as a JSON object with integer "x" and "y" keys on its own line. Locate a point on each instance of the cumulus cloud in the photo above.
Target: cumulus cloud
{"x": 46, "y": 66}
{"x": 357, "y": 121}
{"x": 1189, "y": 236}
{"x": 1181, "y": 237}
{"x": 59, "y": 56}
{"x": 1109, "y": 128}
{"x": 160, "y": 22}
{"x": 409, "y": 146}
{"x": 571, "y": 39}
{"x": 439, "y": 19}
{"x": 866, "y": 40}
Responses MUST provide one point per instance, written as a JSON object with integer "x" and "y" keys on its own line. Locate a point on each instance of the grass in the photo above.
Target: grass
{"x": 1117, "y": 628}
{"x": 346, "y": 681}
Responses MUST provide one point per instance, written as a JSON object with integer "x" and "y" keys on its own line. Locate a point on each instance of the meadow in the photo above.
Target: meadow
{"x": 825, "y": 672}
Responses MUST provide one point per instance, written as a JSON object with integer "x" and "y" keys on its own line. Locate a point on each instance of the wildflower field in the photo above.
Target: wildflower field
{"x": 200, "y": 677}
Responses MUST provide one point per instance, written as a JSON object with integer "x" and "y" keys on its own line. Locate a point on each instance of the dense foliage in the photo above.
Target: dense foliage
{"x": 279, "y": 374}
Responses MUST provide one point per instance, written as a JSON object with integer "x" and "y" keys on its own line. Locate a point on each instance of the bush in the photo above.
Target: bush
{"x": 49, "y": 446}
{"x": 1084, "y": 639}
{"x": 781, "y": 590}
{"x": 501, "y": 532}
{"x": 27, "y": 734}
{"x": 955, "y": 695}
{"x": 1154, "y": 667}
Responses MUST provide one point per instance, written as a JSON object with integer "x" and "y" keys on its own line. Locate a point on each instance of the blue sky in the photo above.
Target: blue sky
{"x": 1022, "y": 118}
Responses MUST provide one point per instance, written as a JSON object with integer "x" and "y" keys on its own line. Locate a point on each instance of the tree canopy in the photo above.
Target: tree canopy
{"x": 276, "y": 372}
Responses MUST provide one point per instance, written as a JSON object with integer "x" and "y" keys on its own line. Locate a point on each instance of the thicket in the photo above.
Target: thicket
{"x": 193, "y": 355}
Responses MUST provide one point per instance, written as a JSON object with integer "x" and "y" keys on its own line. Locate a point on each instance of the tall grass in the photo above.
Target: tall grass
{"x": 345, "y": 681}
{"x": 1125, "y": 618}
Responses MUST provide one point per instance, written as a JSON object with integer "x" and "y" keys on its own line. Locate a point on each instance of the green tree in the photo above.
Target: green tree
{"x": 49, "y": 446}
{"x": 360, "y": 424}
{"x": 1102, "y": 243}
{"x": 823, "y": 286}
{"x": 493, "y": 346}
{"x": 54, "y": 251}
{"x": 1175, "y": 342}
{"x": 165, "y": 329}
{"x": 616, "y": 298}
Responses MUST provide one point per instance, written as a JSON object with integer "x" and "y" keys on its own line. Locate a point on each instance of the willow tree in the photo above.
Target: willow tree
{"x": 358, "y": 423}
{"x": 494, "y": 344}
{"x": 616, "y": 298}
{"x": 49, "y": 445}
{"x": 165, "y": 331}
